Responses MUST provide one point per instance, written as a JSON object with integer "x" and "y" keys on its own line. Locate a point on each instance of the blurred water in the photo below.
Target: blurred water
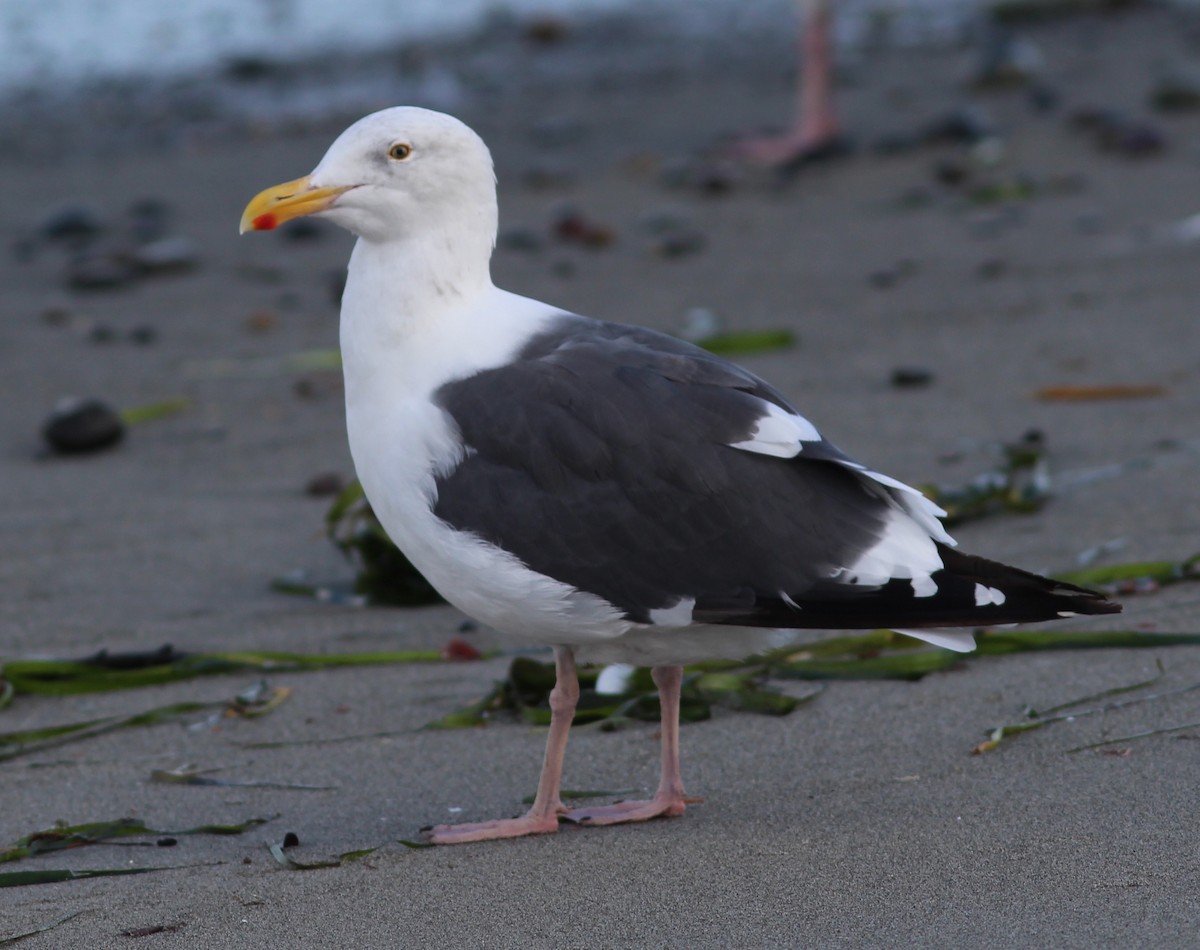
{"x": 51, "y": 43}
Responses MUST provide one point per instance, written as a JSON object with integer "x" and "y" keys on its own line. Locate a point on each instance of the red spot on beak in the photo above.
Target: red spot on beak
{"x": 264, "y": 222}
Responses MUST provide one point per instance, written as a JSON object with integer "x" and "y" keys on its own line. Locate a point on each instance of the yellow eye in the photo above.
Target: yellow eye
{"x": 400, "y": 151}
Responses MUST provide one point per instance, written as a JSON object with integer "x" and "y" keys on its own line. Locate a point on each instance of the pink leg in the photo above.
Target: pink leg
{"x": 668, "y": 801}
{"x": 815, "y": 129}
{"x": 542, "y": 818}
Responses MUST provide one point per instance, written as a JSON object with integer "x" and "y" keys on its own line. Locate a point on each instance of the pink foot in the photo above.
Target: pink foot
{"x": 660, "y": 806}
{"x": 492, "y": 830}
{"x": 790, "y": 152}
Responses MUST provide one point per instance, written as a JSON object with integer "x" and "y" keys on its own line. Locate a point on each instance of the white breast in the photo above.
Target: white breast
{"x": 401, "y": 441}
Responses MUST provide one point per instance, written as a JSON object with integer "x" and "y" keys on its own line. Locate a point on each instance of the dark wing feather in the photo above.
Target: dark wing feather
{"x": 602, "y": 457}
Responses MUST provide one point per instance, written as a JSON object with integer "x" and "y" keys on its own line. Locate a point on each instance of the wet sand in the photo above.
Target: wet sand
{"x": 861, "y": 819}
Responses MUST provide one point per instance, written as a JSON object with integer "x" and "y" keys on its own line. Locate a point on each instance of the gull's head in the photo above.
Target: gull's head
{"x": 392, "y": 175}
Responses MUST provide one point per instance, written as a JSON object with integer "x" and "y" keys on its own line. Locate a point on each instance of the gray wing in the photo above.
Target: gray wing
{"x": 604, "y": 456}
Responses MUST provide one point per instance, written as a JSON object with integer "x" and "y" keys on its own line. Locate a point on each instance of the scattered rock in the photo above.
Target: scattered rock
{"x": 56, "y": 315}
{"x": 992, "y": 268}
{"x": 888, "y": 277}
{"x": 673, "y": 233}
{"x": 74, "y": 224}
{"x": 966, "y": 125}
{"x": 680, "y": 243}
{"x": 546, "y": 29}
{"x": 911, "y": 377}
{"x": 261, "y": 321}
{"x": 1112, "y": 131}
{"x": 249, "y": 68}
{"x": 79, "y": 426}
{"x": 166, "y": 255}
{"x": 317, "y": 385}
{"x": 700, "y": 323}
{"x": 1043, "y": 97}
{"x": 101, "y": 333}
{"x": 571, "y": 226}
{"x": 1177, "y": 91}
{"x": 325, "y": 484}
{"x": 143, "y": 335}
{"x": 1006, "y": 61}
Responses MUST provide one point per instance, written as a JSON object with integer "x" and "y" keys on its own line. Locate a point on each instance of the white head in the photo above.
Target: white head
{"x": 398, "y": 175}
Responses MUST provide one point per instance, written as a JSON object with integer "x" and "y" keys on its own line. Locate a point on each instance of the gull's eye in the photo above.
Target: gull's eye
{"x": 400, "y": 151}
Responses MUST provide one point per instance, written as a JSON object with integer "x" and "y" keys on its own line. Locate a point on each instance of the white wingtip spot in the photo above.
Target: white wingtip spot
{"x": 985, "y": 596}
{"x": 779, "y": 433}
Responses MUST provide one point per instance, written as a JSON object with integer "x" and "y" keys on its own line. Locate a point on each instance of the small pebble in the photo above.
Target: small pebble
{"x": 79, "y": 426}
{"x": 55, "y": 315}
{"x": 1177, "y": 91}
{"x": 992, "y": 268}
{"x": 325, "y": 484}
{"x": 1043, "y": 98}
{"x": 249, "y": 68}
{"x": 911, "y": 377}
{"x": 546, "y": 29}
{"x": 572, "y": 227}
{"x": 966, "y": 125}
{"x": 73, "y": 223}
{"x": 101, "y": 333}
{"x": 261, "y": 321}
{"x": 679, "y": 244}
{"x": 169, "y": 254}
{"x": 700, "y": 323}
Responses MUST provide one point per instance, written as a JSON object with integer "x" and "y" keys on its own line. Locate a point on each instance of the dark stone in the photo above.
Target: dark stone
{"x": 911, "y": 377}
{"x": 73, "y": 223}
{"x": 101, "y": 333}
{"x": 169, "y": 254}
{"x": 324, "y": 484}
{"x": 83, "y": 426}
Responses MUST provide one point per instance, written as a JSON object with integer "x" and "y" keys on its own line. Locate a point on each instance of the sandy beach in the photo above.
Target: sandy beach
{"x": 861, "y": 819}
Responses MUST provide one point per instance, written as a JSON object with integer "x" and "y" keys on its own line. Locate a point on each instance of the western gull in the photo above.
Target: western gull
{"x": 613, "y": 492}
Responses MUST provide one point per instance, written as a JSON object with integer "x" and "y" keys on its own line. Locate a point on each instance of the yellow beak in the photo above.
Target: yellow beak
{"x": 293, "y": 199}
